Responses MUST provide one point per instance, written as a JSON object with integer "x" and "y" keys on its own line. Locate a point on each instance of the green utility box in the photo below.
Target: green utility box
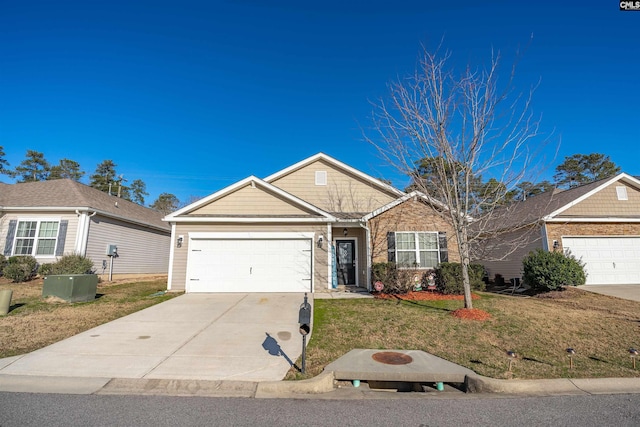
{"x": 71, "y": 287}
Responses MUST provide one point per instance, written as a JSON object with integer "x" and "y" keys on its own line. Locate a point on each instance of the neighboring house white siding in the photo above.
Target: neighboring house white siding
{"x": 140, "y": 250}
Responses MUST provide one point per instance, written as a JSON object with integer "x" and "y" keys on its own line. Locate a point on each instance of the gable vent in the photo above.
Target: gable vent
{"x": 621, "y": 191}
{"x": 321, "y": 177}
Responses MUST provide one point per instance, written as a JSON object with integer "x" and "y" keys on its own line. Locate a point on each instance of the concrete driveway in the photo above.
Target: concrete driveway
{"x": 239, "y": 336}
{"x": 630, "y": 292}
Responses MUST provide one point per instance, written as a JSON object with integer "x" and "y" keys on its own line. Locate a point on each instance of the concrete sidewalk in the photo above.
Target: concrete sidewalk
{"x": 239, "y": 336}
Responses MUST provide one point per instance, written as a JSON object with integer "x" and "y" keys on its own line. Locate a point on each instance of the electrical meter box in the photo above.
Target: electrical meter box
{"x": 112, "y": 250}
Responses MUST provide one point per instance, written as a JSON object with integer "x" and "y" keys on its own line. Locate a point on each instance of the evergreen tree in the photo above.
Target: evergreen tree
{"x": 4, "y": 164}
{"x": 581, "y": 169}
{"x": 33, "y": 168}
{"x": 104, "y": 175}
{"x": 67, "y": 169}
{"x": 138, "y": 190}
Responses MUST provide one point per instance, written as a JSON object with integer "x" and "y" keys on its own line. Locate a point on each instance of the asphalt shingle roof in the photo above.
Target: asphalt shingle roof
{"x": 66, "y": 193}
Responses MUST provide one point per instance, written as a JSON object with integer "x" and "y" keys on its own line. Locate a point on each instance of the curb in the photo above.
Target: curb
{"x": 322, "y": 383}
{"x": 481, "y": 384}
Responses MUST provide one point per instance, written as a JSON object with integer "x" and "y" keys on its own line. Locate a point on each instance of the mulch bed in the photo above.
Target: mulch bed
{"x": 471, "y": 314}
{"x": 462, "y": 313}
{"x": 422, "y": 296}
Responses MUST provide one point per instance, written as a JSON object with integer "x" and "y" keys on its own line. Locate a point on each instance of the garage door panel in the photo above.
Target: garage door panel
{"x": 608, "y": 260}
{"x": 249, "y": 265}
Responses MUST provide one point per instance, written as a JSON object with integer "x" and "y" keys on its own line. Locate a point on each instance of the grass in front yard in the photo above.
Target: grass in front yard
{"x": 601, "y": 329}
{"x": 35, "y": 322}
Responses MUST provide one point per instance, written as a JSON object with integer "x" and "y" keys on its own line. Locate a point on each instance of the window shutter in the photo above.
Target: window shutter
{"x": 442, "y": 243}
{"x": 391, "y": 246}
{"x": 11, "y": 233}
{"x": 62, "y": 235}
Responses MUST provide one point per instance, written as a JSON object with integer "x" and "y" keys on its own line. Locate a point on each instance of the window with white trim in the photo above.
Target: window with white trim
{"x": 36, "y": 237}
{"x": 417, "y": 249}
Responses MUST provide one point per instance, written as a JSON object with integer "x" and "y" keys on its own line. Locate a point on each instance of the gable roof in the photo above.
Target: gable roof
{"x": 179, "y": 214}
{"x": 430, "y": 200}
{"x": 548, "y": 205}
{"x": 338, "y": 164}
{"x": 69, "y": 195}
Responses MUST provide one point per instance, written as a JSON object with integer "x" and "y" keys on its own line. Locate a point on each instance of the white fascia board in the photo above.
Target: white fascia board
{"x": 337, "y": 163}
{"x": 587, "y": 219}
{"x": 251, "y": 235}
{"x": 84, "y": 209}
{"x": 616, "y": 178}
{"x": 401, "y": 200}
{"x": 209, "y": 198}
{"x": 257, "y": 181}
{"x": 250, "y": 220}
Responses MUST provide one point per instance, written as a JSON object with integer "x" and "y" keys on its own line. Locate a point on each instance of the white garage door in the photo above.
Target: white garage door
{"x": 249, "y": 265}
{"x": 608, "y": 260}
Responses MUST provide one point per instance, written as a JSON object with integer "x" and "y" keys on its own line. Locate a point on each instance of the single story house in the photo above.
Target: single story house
{"x": 311, "y": 227}
{"x": 598, "y": 223}
{"x": 48, "y": 219}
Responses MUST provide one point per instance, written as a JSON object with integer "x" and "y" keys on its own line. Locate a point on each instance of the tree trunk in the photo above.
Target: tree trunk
{"x": 464, "y": 264}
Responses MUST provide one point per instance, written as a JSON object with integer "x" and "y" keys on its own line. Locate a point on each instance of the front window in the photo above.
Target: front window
{"x": 36, "y": 238}
{"x": 417, "y": 249}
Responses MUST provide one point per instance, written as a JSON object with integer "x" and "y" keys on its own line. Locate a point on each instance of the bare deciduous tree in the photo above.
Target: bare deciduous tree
{"x": 466, "y": 125}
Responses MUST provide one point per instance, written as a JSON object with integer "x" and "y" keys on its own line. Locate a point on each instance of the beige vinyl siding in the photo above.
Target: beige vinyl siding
{"x": 605, "y": 203}
{"x": 499, "y": 256}
{"x": 70, "y": 238}
{"x": 343, "y": 193}
{"x": 320, "y": 266}
{"x": 140, "y": 249}
{"x": 250, "y": 201}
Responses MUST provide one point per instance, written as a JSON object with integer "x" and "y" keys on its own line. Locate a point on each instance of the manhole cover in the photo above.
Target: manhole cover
{"x": 392, "y": 358}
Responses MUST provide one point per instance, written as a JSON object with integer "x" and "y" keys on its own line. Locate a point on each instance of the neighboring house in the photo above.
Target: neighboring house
{"x": 599, "y": 223}
{"x": 48, "y": 219}
{"x": 311, "y": 227}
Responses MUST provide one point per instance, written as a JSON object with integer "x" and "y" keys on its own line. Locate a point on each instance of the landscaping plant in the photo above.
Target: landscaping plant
{"x": 449, "y": 278}
{"x": 20, "y": 268}
{"x": 550, "y": 271}
{"x": 395, "y": 280}
{"x": 68, "y": 264}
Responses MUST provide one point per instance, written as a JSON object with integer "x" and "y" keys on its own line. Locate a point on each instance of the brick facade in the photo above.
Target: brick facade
{"x": 412, "y": 215}
{"x": 555, "y": 231}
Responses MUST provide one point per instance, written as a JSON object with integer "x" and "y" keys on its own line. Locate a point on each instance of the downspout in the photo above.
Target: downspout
{"x": 82, "y": 235}
{"x": 545, "y": 238}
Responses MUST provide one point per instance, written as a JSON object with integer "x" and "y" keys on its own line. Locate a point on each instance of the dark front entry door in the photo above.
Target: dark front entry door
{"x": 346, "y": 257}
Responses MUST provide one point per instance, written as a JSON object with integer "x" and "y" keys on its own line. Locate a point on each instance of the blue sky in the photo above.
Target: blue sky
{"x": 191, "y": 96}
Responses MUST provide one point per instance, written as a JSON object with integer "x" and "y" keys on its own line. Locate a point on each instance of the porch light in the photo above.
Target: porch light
{"x": 345, "y": 231}
{"x": 320, "y": 239}
{"x": 556, "y": 245}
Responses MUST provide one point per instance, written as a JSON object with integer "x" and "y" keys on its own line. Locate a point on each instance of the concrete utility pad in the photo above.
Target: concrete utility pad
{"x": 359, "y": 364}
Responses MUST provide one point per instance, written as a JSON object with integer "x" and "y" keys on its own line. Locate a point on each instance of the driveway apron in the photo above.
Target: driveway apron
{"x": 230, "y": 336}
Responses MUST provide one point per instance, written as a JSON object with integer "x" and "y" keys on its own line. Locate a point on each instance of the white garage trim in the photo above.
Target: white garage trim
{"x": 250, "y": 262}
{"x": 609, "y": 260}
{"x": 251, "y": 235}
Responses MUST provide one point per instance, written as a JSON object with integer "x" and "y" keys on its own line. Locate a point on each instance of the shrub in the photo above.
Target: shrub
{"x": 68, "y": 264}
{"x": 3, "y": 262}
{"x": 396, "y": 280}
{"x": 20, "y": 268}
{"x": 449, "y": 278}
{"x": 549, "y": 271}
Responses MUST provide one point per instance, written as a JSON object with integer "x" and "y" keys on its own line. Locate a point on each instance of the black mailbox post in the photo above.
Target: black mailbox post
{"x": 304, "y": 319}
